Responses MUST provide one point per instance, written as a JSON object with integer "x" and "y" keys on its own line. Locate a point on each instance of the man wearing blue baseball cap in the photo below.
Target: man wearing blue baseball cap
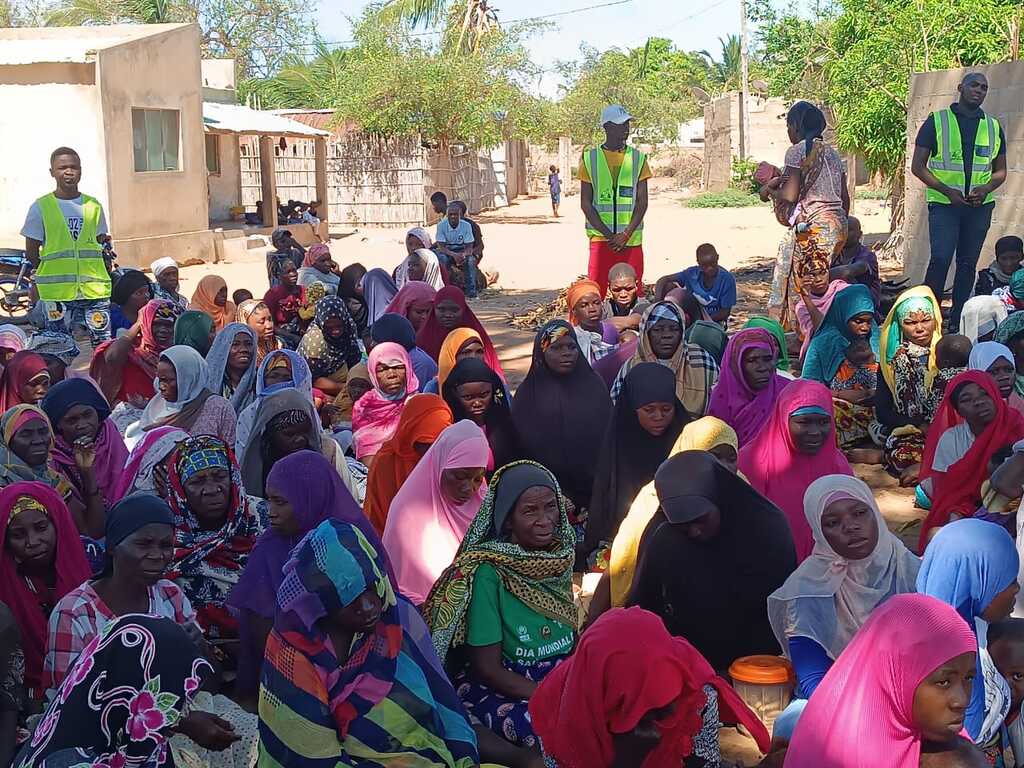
{"x": 613, "y": 195}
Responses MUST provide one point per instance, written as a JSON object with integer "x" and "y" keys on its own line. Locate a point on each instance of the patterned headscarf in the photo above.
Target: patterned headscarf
{"x": 12, "y": 467}
{"x": 54, "y": 343}
{"x": 541, "y": 579}
{"x": 326, "y": 355}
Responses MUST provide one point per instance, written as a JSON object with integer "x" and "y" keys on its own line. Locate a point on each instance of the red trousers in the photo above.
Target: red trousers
{"x": 603, "y": 258}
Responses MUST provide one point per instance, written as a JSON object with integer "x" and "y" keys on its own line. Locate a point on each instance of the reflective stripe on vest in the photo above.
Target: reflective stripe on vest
{"x": 948, "y": 165}
{"x": 614, "y": 202}
{"x": 68, "y": 268}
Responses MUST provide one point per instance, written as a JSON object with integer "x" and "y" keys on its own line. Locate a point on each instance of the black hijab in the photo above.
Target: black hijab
{"x": 501, "y": 433}
{"x": 128, "y": 283}
{"x": 560, "y": 419}
{"x": 629, "y": 455}
{"x": 714, "y": 593}
{"x": 354, "y": 303}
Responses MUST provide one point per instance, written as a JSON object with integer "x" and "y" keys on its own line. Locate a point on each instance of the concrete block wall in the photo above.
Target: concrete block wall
{"x": 935, "y": 90}
{"x": 768, "y": 138}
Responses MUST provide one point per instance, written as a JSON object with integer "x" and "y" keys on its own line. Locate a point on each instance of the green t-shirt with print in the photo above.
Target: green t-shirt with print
{"x": 497, "y": 616}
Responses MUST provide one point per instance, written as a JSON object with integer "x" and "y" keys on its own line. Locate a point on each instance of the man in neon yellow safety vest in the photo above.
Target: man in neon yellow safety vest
{"x": 960, "y": 155}
{"x": 64, "y": 231}
{"x": 613, "y": 195}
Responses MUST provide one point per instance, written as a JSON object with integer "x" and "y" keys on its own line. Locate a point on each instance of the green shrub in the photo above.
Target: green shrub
{"x": 742, "y": 177}
{"x": 872, "y": 194}
{"x": 730, "y": 198}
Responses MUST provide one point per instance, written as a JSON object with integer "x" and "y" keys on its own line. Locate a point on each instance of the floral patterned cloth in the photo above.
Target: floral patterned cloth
{"x": 129, "y": 687}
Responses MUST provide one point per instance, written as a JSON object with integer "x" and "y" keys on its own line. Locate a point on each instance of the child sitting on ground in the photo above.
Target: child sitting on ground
{"x": 951, "y": 356}
{"x": 1006, "y": 651}
{"x": 858, "y": 371}
{"x": 1009, "y": 255}
{"x": 995, "y": 507}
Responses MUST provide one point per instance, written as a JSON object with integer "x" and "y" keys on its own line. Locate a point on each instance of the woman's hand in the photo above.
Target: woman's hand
{"x": 770, "y": 188}
{"x": 85, "y": 453}
{"x": 208, "y": 731}
{"x": 908, "y": 476}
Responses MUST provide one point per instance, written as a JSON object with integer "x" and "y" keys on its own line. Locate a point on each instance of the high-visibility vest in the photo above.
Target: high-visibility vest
{"x": 70, "y": 268}
{"x": 613, "y": 199}
{"x": 947, "y": 164}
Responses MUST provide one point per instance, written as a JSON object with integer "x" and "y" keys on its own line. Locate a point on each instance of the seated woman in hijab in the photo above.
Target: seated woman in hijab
{"x": 59, "y": 350}
{"x": 997, "y": 361}
{"x": 280, "y": 369}
{"x": 184, "y": 401}
{"x": 195, "y": 329}
{"x": 331, "y": 345}
{"x": 318, "y": 267}
{"x": 972, "y": 566}
{"x": 645, "y": 423}
{"x": 560, "y": 413}
{"x": 709, "y": 520}
{"x": 231, "y": 363}
{"x": 705, "y": 434}
{"x": 438, "y": 501}
{"x": 12, "y": 340}
{"x": 873, "y": 706}
{"x": 1011, "y": 333}
{"x": 256, "y": 315}
{"x": 41, "y": 560}
{"x": 504, "y": 609}
{"x": 415, "y": 302}
{"x": 25, "y": 379}
{"x": 375, "y": 416}
{"x": 165, "y": 270}
{"x": 857, "y": 564}
{"x": 422, "y": 265}
{"x": 26, "y": 443}
{"x": 474, "y": 392}
{"x": 596, "y": 337}
{"x": 907, "y": 365}
{"x": 423, "y": 420}
{"x": 980, "y": 317}
{"x": 302, "y": 491}
{"x": 377, "y": 289}
{"x": 661, "y": 341}
{"x": 88, "y": 450}
{"x": 749, "y": 384}
{"x": 349, "y": 669}
{"x": 794, "y": 448}
{"x": 137, "y": 660}
{"x": 634, "y": 695}
{"x": 816, "y": 295}
{"x": 146, "y": 467}
{"x": 395, "y": 328}
{"x": 774, "y": 327}
{"x": 972, "y": 425}
{"x": 125, "y": 367}
{"x": 459, "y": 345}
{"x": 286, "y": 422}
{"x": 211, "y": 297}
{"x": 216, "y": 526}
{"x": 130, "y": 293}
{"x": 284, "y": 302}
{"x": 450, "y": 312}
{"x": 848, "y": 369}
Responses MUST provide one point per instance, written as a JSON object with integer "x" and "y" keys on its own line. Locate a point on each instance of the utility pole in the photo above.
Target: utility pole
{"x": 744, "y": 83}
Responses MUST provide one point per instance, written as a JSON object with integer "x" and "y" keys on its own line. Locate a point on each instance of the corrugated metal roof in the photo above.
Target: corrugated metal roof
{"x": 235, "y": 118}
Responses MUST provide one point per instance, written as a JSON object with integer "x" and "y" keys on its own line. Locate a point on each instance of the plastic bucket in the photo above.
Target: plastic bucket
{"x": 765, "y": 683}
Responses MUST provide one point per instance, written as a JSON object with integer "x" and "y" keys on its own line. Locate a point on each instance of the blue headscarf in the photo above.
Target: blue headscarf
{"x": 829, "y": 342}
{"x": 301, "y": 379}
{"x": 966, "y": 565}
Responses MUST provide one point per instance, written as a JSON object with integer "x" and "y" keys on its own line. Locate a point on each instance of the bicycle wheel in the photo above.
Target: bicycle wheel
{"x": 14, "y": 302}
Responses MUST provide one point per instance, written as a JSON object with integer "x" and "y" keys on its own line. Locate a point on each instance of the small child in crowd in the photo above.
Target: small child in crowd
{"x": 1009, "y": 255}
{"x": 995, "y": 507}
{"x": 242, "y": 294}
{"x": 951, "y": 356}
{"x": 1006, "y": 650}
{"x": 859, "y": 369}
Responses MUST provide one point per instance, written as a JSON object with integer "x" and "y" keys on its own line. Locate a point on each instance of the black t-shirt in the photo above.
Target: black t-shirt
{"x": 968, "y": 121}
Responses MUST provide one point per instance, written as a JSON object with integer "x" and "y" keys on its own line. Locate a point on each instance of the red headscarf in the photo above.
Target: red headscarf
{"x": 432, "y": 335}
{"x": 136, "y": 376}
{"x": 412, "y": 292}
{"x": 779, "y": 472}
{"x": 958, "y": 489}
{"x": 626, "y": 665}
{"x": 72, "y": 571}
{"x": 18, "y": 372}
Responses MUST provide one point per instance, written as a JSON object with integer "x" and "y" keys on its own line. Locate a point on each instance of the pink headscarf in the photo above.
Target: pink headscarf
{"x": 732, "y": 400}
{"x": 409, "y": 294}
{"x": 822, "y": 303}
{"x": 375, "y": 416}
{"x": 861, "y": 715}
{"x": 314, "y": 252}
{"x": 780, "y": 473}
{"x": 425, "y": 527}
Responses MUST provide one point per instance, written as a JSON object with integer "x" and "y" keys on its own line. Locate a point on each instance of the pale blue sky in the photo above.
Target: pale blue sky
{"x": 691, "y": 24}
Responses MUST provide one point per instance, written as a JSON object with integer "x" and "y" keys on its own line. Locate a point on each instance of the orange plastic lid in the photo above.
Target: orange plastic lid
{"x": 762, "y": 670}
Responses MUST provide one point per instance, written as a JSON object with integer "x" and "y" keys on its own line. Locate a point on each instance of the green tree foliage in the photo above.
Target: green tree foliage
{"x": 654, "y": 82}
{"x": 393, "y": 83}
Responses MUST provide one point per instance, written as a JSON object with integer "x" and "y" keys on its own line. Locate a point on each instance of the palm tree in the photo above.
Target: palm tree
{"x": 726, "y": 71}
{"x": 478, "y": 19}
{"x": 85, "y": 12}
{"x": 300, "y": 83}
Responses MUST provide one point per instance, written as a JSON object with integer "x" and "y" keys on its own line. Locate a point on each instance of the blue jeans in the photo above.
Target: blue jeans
{"x": 94, "y": 314}
{"x": 959, "y": 230}
{"x": 469, "y": 270}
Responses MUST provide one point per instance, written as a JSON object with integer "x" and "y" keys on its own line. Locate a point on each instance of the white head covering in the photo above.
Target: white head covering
{"x": 981, "y": 315}
{"x": 217, "y": 363}
{"x": 192, "y": 374}
{"x": 984, "y": 355}
{"x": 161, "y": 265}
{"x": 422, "y": 235}
{"x": 152, "y": 455}
{"x": 431, "y": 275}
{"x": 827, "y": 598}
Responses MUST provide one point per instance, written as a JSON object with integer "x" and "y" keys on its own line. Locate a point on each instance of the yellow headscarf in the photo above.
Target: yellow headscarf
{"x": 449, "y": 349}
{"x": 891, "y": 335}
{"x": 700, "y": 435}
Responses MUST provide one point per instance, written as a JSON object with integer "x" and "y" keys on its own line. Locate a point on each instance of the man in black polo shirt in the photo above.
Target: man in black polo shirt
{"x": 960, "y": 186}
